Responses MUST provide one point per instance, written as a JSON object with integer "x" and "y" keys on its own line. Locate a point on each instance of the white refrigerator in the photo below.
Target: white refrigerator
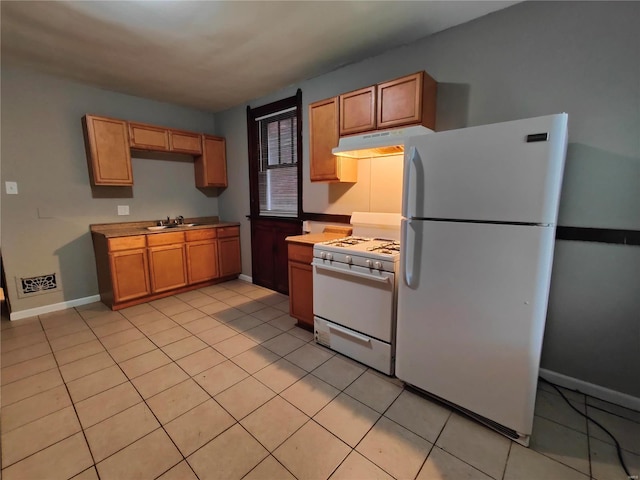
{"x": 479, "y": 213}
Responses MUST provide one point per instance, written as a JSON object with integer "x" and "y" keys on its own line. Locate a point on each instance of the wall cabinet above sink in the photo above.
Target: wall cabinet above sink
{"x": 148, "y": 137}
{"x": 108, "y": 154}
{"x": 109, "y": 142}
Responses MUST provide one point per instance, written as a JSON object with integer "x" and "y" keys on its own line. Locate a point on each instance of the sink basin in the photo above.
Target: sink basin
{"x": 173, "y": 225}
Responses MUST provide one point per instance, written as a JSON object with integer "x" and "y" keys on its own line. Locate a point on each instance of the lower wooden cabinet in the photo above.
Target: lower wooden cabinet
{"x": 130, "y": 274}
{"x": 168, "y": 267}
{"x": 229, "y": 260}
{"x": 202, "y": 261}
{"x": 139, "y": 268}
{"x": 301, "y": 284}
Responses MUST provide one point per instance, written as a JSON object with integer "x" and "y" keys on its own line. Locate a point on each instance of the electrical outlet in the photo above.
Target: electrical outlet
{"x": 123, "y": 209}
{"x": 11, "y": 187}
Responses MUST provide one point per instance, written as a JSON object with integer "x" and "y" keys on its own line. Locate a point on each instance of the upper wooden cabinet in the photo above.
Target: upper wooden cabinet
{"x": 108, "y": 154}
{"x": 358, "y": 111}
{"x": 211, "y": 166}
{"x": 409, "y": 100}
{"x": 323, "y": 137}
{"x": 185, "y": 142}
{"x": 109, "y": 141}
{"x": 148, "y": 137}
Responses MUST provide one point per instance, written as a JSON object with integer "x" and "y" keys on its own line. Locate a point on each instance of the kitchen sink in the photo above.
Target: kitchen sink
{"x": 173, "y": 225}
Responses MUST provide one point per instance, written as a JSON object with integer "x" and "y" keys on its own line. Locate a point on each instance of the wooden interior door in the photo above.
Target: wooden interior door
{"x": 269, "y": 252}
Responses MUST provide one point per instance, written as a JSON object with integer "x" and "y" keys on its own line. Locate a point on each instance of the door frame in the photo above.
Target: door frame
{"x": 276, "y": 224}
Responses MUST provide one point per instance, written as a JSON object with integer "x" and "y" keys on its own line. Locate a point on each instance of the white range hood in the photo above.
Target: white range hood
{"x": 382, "y": 143}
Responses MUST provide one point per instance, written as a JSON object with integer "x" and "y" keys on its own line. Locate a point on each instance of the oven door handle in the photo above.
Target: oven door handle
{"x": 350, "y": 272}
{"x": 349, "y": 333}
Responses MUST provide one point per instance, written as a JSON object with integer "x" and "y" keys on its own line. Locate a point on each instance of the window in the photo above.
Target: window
{"x": 274, "y": 151}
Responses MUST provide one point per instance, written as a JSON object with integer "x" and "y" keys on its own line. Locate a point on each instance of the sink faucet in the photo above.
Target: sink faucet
{"x": 179, "y": 220}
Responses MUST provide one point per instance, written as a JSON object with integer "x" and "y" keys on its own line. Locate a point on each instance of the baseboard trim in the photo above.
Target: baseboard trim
{"x": 245, "y": 278}
{"x": 603, "y": 393}
{"x": 32, "y": 312}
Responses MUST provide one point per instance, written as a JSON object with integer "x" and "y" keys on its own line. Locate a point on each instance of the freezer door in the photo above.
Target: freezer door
{"x": 470, "y": 329}
{"x": 505, "y": 172}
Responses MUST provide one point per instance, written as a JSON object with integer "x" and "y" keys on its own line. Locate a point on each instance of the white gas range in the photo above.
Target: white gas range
{"x": 355, "y": 290}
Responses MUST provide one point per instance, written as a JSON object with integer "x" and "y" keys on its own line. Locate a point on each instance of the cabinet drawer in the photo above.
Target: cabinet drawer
{"x": 148, "y": 137}
{"x": 204, "y": 234}
{"x": 165, "y": 238}
{"x": 228, "y": 232}
{"x": 300, "y": 253}
{"x": 185, "y": 142}
{"x": 126, "y": 243}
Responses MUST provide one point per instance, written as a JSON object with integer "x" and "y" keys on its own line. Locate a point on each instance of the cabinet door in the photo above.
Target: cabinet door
{"x": 202, "y": 261}
{"x": 168, "y": 267}
{"x": 406, "y": 101}
{"x": 211, "y": 166}
{"x": 185, "y": 142}
{"x": 108, "y": 155}
{"x": 301, "y": 292}
{"x": 358, "y": 111}
{"x": 301, "y": 283}
{"x": 148, "y": 137}
{"x": 323, "y": 137}
{"x": 229, "y": 256}
{"x": 129, "y": 273}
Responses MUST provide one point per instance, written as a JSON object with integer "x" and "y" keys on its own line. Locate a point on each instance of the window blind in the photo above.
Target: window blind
{"x": 278, "y": 163}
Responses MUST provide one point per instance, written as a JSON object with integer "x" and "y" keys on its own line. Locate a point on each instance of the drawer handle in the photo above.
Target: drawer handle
{"x": 348, "y": 333}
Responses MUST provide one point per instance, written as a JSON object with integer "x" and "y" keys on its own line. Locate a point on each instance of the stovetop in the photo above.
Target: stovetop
{"x": 362, "y": 246}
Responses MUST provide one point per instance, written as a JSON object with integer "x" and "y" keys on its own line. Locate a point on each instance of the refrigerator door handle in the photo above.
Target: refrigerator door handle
{"x": 407, "y": 264}
{"x": 410, "y": 159}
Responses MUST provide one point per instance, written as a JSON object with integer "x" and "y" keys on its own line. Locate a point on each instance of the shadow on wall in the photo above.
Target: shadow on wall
{"x": 452, "y": 106}
{"x": 338, "y": 190}
{"x": 73, "y": 259}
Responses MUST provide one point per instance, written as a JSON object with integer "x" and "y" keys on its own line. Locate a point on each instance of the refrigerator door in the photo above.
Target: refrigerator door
{"x": 470, "y": 328}
{"x": 505, "y": 172}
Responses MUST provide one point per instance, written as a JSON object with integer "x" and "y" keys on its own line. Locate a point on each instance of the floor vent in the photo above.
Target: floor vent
{"x": 28, "y": 286}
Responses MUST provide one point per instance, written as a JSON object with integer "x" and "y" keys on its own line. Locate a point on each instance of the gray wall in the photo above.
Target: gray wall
{"x": 45, "y": 228}
{"x": 531, "y": 59}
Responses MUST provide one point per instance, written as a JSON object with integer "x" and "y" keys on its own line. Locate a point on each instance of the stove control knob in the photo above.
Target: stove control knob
{"x": 323, "y": 255}
{"x": 348, "y": 259}
{"x": 329, "y": 256}
{"x": 378, "y": 265}
{"x": 369, "y": 263}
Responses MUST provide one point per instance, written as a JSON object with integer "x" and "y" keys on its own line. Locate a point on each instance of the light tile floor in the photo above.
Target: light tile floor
{"x": 219, "y": 383}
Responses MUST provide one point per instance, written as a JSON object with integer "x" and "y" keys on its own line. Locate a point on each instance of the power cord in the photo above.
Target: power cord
{"x": 619, "y": 450}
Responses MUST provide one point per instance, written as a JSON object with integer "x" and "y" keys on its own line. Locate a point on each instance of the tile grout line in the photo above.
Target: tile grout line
{"x": 77, "y": 418}
{"x": 307, "y": 373}
{"x": 146, "y": 405}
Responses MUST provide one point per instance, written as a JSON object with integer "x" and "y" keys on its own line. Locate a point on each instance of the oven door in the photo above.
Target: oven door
{"x": 358, "y": 298}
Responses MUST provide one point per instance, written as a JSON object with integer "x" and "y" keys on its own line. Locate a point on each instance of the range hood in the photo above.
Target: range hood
{"x": 381, "y": 143}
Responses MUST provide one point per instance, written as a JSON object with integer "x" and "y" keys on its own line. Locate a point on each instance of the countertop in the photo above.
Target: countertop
{"x": 126, "y": 229}
{"x": 313, "y": 238}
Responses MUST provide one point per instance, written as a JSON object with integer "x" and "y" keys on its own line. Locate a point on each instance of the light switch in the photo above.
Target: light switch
{"x": 11, "y": 187}
{"x": 123, "y": 209}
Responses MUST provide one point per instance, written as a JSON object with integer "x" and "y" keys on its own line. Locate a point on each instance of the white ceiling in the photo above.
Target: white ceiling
{"x": 214, "y": 54}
